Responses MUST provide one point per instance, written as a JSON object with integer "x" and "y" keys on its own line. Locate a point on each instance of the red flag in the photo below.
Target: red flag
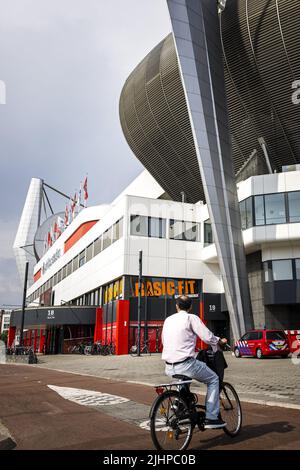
{"x": 85, "y": 189}
{"x": 67, "y": 215}
{"x": 49, "y": 239}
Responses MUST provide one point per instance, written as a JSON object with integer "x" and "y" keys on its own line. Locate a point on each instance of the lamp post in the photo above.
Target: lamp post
{"x": 24, "y": 303}
{"x": 140, "y": 302}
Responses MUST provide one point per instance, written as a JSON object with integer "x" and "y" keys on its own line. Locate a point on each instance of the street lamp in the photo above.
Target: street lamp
{"x": 221, "y": 5}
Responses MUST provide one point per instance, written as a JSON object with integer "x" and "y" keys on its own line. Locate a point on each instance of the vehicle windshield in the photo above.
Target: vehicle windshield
{"x": 275, "y": 335}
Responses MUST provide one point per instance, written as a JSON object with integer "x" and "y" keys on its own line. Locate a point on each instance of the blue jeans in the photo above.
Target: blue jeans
{"x": 199, "y": 371}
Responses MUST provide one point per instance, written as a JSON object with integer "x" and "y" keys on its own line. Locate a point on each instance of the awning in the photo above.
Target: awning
{"x": 66, "y": 315}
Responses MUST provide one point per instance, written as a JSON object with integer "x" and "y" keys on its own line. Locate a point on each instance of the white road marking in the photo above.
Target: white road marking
{"x": 87, "y": 397}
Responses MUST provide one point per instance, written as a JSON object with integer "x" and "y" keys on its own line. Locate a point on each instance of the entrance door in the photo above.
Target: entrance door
{"x": 154, "y": 337}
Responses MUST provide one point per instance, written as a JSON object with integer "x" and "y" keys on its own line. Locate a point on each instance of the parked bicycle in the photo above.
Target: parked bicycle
{"x": 176, "y": 413}
{"x": 108, "y": 349}
{"x": 144, "y": 349}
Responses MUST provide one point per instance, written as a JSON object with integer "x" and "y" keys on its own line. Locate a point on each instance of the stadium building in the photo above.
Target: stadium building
{"x": 212, "y": 113}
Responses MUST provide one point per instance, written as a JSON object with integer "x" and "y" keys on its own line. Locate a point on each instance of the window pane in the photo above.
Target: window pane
{"x": 267, "y": 271}
{"x": 157, "y": 227}
{"x": 81, "y": 258}
{"x": 259, "y": 210}
{"x": 275, "y": 209}
{"x": 118, "y": 230}
{"x": 243, "y": 214}
{"x": 107, "y": 238}
{"x": 273, "y": 335}
{"x": 294, "y": 206}
{"x": 191, "y": 232}
{"x": 98, "y": 245}
{"x": 139, "y": 225}
{"x": 69, "y": 268}
{"x": 89, "y": 252}
{"x": 75, "y": 263}
{"x": 297, "y": 262}
{"x": 176, "y": 229}
{"x": 249, "y": 213}
{"x": 282, "y": 270}
{"x": 208, "y": 236}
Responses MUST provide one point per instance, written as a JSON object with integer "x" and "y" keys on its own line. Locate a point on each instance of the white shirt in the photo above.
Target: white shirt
{"x": 179, "y": 336}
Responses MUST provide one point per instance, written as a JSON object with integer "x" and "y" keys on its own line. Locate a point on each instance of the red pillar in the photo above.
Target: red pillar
{"x": 98, "y": 325}
{"x": 11, "y": 336}
{"x": 122, "y": 327}
{"x": 200, "y": 344}
{"x": 42, "y": 341}
{"x": 35, "y": 340}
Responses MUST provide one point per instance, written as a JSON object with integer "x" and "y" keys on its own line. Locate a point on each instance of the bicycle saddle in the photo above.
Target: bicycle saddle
{"x": 181, "y": 377}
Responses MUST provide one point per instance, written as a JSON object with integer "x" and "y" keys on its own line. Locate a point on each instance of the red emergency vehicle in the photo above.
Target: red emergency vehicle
{"x": 261, "y": 343}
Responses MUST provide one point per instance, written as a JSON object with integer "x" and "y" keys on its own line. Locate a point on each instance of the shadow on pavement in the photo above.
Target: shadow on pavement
{"x": 248, "y": 432}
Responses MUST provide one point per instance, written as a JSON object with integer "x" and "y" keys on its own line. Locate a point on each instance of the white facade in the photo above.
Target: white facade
{"x": 29, "y": 222}
{"x": 166, "y": 257}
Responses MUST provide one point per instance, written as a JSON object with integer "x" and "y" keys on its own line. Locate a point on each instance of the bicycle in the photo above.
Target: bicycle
{"x": 108, "y": 349}
{"x": 143, "y": 349}
{"x": 175, "y": 413}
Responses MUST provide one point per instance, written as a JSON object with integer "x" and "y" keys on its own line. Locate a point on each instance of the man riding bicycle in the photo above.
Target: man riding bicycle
{"x": 179, "y": 336}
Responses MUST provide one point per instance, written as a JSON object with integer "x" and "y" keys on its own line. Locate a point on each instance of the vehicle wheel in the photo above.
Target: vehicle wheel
{"x": 230, "y": 410}
{"x": 259, "y": 354}
{"x": 170, "y": 422}
{"x": 237, "y": 352}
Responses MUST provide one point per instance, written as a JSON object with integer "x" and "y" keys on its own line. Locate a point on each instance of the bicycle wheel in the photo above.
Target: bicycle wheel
{"x": 230, "y": 410}
{"x": 170, "y": 422}
{"x": 133, "y": 351}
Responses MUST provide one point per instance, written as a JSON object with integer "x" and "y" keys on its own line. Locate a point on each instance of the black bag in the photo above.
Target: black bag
{"x": 214, "y": 360}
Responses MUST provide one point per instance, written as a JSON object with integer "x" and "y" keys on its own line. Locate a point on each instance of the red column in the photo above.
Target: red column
{"x": 122, "y": 327}
{"x": 42, "y": 341}
{"x": 200, "y": 344}
{"x": 35, "y": 340}
{"x": 11, "y": 336}
{"x": 98, "y": 325}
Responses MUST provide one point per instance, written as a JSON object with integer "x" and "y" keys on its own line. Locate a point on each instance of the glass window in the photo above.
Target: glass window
{"x": 59, "y": 276}
{"x": 282, "y": 270}
{"x": 157, "y": 227}
{"x": 89, "y": 252}
{"x": 294, "y": 206}
{"x": 253, "y": 336}
{"x": 176, "y": 231}
{"x": 259, "y": 210}
{"x": 268, "y": 271}
{"x": 208, "y": 235}
{"x": 118, "y": 230}
{"x": 297, "y": 263}
{"x": 243, "y": 214}
{"x": 81, "y": 259}
{"x": 139, "y": 225}
{"x": 191, "y": 232}
{"x": 75, "y": 263}
{"x": 245, "y": 337}
{"x": 69, "y": 268}
{"x": 249, "y": 213}
{"x": 273, "y": 335}
{"x": 275, "y": 209}
{"x": 98, "y": 245}
{"x": 107, "y": 238}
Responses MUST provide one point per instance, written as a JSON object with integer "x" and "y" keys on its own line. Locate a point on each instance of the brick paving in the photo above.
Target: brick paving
{"x": 274, "y": 380}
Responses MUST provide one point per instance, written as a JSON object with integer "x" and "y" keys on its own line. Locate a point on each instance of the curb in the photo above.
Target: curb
{"x": 6, "y": 440}
{"x": 195, "y": 390}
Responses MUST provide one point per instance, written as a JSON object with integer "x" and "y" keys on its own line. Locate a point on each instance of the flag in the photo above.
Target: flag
{"x": 78, "y": 202}
{"x": 49, "y": 240}
{"x": 60, "y": 226}
{"x": 85, "y": 190}
{"x": 66, "y": 221}
{"x": 73, "y": 206}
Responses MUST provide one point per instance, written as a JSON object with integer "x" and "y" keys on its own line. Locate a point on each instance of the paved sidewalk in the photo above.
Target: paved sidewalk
{"x": 271, "y": 381}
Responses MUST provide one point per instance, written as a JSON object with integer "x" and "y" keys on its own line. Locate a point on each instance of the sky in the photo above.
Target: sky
{"x": 64, "y": 63}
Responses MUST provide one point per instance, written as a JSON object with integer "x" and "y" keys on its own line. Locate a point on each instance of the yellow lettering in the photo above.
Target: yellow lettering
{"x": 170, "y": 288}
{"x": 180, "y": 287}
{"x": 192, "y": 286}
{"x": 157, "y": 289}
{"x": 149, "y": 289}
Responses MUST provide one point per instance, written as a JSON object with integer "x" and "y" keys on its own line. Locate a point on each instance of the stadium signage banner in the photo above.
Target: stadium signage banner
{"x": 48, "y": 263}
